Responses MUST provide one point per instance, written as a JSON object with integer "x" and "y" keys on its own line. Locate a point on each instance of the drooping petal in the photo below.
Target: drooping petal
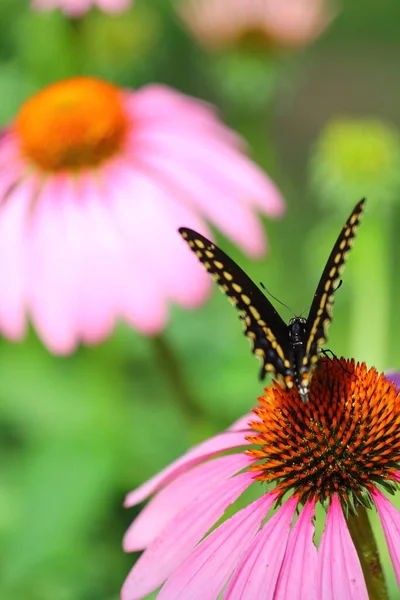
{"x": 257, "y": 575}
{"x": 50, "y": 293}
{"x": 339, "y": 573}
{"x": 235, "y": 218}
{"x": 246, "y": 181}
{"x": 151, "y": 226}
{"x": 298, "y": 574}
{"x": 180, "y": 536}
{"x": 390, "y": 519}
{"x": 204, "y": 573}
{"x": 211, "y": 447}
{"x": 14, "y": 222}
{"x": 172, "y": 499}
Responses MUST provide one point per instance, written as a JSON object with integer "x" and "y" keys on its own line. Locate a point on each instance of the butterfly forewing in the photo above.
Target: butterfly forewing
{"x": 320, "y": 314}
{"x": 263, "y": 326}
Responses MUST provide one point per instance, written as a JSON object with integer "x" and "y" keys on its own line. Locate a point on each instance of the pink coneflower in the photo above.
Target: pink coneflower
{"x": 338, "y": 449}
{"x": 94, "y": 183}
{"x": 225, "y": 23}
{"x": 77, "y": 8}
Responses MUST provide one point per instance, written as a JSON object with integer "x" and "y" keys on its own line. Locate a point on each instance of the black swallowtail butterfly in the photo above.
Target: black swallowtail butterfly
{"x": 289, "y": 352}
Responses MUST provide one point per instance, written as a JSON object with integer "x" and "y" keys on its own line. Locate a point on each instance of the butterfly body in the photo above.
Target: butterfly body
{"x": 297, "y": 331}
{"x": 290, "y": 352}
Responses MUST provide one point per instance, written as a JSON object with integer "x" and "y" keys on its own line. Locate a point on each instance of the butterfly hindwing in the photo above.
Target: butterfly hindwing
{"x": 263, "y": 326}
{"x": 320, "y": 314}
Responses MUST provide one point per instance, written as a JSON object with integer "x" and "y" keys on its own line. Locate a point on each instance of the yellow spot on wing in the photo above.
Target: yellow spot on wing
{"x": 254, "y": 312}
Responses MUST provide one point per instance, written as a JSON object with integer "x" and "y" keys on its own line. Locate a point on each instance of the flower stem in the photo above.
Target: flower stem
{"x": 364, "y": 541}
{"x": 171, "y": 367}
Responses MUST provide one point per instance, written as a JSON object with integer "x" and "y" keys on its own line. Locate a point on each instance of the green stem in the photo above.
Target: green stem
{"x": 370, "y": 319}
{"x": 364, "y": 541}
{"x": 171, "y": 367}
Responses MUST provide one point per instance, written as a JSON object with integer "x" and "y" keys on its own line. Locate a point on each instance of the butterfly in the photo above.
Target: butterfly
{"x": 290, "y": 352}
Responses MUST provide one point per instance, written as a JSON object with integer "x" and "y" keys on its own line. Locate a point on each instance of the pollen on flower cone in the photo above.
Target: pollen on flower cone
{"x": 343, "y": 441}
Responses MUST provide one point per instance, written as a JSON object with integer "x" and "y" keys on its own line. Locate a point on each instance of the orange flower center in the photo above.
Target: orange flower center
{"x": 344, "y": 441}
{"x": 72, "y": 124}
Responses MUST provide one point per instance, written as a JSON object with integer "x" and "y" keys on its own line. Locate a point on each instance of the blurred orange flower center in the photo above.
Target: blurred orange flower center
{"x": 71, "y": 124}
{"x": 344, "y": 441}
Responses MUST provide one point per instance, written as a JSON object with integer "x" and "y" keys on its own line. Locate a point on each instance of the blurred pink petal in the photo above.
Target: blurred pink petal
{"x": 339, "y": 575}
{"x": 176, "y": 496}
{"x": 180, "y": 536}
{"x": 258, "y": 572}
{"x": 298, "y": 574}
{"x": 103, "y": 182}
{"x": 207, "y": 449}
{"x": 390, "y": 519}
{"x": 77, "y": 8}
{"x": 12, "y": 264}
{"x": 291, "y": 24}
{"x": 207, "y": 569}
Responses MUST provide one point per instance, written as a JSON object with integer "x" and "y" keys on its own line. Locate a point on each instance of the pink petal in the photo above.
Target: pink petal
{"x": 94, "y": 254}
{"x": 211, "y": 447}
{"x": 14, "y": 221}
{"x": 242, "y": 424}
{"x": 49, "y": 270}
{"x": 211, "y": 158}
{"x": 141, "y": 299}
{"x": 114, "y": 6}
{"x": 390, "y": 519}
{"x": 180, "y": 536}
{"x": 207, "y": 569}
{"x": 151, "y": 226}
{"x": 102, "y": 263}
{"x": 156, "y": 105}
{"x": 172, "y": 499}
{"x": 298, "y": 575}
{"x": 235, "y": 218}
{"x": 258, "y": 573}
{"x": 339, "y": 574}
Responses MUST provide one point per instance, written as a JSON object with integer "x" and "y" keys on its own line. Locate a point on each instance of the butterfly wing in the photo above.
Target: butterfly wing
{"x": 320, "y": 314}
{"x": 263, "y": 326}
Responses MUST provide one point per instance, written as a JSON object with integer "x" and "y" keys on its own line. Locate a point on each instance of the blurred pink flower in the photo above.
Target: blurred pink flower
{"x": 76, "y": 8}
{"x": 94, "y": 183}
{"x": 285, "y": 23}
{"x": 334, "y": 449}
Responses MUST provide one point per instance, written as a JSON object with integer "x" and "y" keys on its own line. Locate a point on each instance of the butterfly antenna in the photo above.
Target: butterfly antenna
{"x": 277, "y": 299}
{"x": 305, "y": 310}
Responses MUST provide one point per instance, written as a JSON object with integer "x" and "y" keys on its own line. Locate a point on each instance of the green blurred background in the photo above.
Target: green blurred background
{"x": 77, "y": 433}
